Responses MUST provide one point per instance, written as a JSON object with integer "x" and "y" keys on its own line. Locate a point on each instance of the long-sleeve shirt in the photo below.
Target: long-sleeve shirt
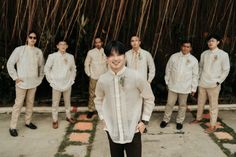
{"x": 142, "y": 62}
{"x": 214, "y": 67}
{"x": 60, "y": 70}
{"x": 29, "y": 63}
{"x": 119, "y": 100}
{"x": 95, "y": 63}
{"x": 182, "y": 73}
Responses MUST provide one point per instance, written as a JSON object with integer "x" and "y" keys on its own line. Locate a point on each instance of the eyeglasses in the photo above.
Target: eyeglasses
{"x": 32, "y": 37}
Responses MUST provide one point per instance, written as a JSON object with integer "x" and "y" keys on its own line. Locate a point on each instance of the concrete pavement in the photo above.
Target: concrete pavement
{"x": 191, "y": 141}
{"x": 43, "y": 141}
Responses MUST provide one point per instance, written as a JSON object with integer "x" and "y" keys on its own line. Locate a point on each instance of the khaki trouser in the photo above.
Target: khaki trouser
{"x": 92, "y": 86}
{"x": 171, "y": 100}
{"x": 212, "y": 94}
{"x": 56, "y": 97}
{"x": 22, "y": 95}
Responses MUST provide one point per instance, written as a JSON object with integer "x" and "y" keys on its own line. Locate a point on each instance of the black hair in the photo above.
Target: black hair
{"x": 32, "y": 31}
{"x": 61, "y": 40}
{"x": 134, "y": 35}
{"x": 97, "y": 37}
{"x": 115, "y": 46}
{"x": 215, "y": 36}
{"x": 185, "y": 41}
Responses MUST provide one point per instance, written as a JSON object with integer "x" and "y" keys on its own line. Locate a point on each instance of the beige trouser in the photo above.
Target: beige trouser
{"x": 56, "y": 97}
{"x": 212, "y": 94}
{"x": 171, "y": 100}
{"x": 92, "y": 86}
{"x": 22, "y": 95}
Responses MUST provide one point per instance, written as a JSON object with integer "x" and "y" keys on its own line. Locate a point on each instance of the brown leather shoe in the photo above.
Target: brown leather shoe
{"x": 209, "y": 130}
{"x": 55, "y": 125}
{"x": 70, "y": 120}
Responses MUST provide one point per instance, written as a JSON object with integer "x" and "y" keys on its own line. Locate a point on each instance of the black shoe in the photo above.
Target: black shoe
{"x": 90, "y": 115}
{"x": 179, "y": 126}
{"x": 13, "y": 132}
{"x": 163, "y": 124}
{"x": 31, "y": 126}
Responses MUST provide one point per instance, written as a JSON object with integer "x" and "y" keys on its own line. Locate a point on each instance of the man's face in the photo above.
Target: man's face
{"x": 186, "y": 48}
{"x": 212, "y": 43}
{"x": 62, "y": 46}
{"x": 98, "y": 43}
{"x": 135, "y": 42}
{"x": 31, "y": 39}
{"x": 116, "y": 62}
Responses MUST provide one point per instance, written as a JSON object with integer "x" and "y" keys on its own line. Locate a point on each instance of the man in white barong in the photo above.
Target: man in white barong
{"x": 214, "y": 67}
{"x": 95, "y": 65}
{"x": 140, "y": 60}
{"x": 181, "y": 78}
{"x": 28, "y": 75}
{"x": 120, "y": 94}
{"x": 60, "y": 71}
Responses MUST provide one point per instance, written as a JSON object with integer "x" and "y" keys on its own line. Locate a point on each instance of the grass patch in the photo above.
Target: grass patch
{"x": 65, "y": 143}
{"x": 219, "y": 142}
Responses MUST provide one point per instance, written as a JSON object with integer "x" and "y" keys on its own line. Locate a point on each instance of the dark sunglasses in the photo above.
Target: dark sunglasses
{"x": 32, "y": 37}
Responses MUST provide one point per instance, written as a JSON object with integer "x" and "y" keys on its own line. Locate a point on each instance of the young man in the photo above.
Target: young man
{"x": 95, "y": 65}
{"x": 28, "y": 74}
{"x": 214, "y": 67}
{"x": 140, "y": 60}
{"x": 60, "y": 70}
{"x": 120, "y": 93}
{"x": 181, "y": 79}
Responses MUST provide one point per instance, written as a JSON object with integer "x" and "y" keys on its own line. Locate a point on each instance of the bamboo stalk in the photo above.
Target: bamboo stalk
{"x": 162, "y": 25}
{"x": 103, "y": 4}
{"x": 45, "y": 19}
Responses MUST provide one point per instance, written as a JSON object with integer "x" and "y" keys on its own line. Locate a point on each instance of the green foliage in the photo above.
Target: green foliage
{"x": 219, "y": 142}
{"x": 69, "y": 130}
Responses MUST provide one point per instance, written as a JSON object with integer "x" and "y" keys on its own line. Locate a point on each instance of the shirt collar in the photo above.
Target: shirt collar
{"x": 30, "y": 47}
{"x": 134, "y": 52}
{"x": 215, "y": 50}
{"x": 98, "y": 49}
{"x": 182, "y": 55}
{"x": 119, "y": 73}
{"x": 62, "y": 54}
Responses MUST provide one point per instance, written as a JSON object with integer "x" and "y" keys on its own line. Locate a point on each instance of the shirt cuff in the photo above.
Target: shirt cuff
{"x": 14, "y": 78}
{"x": 149, "y": 81}
{"x": 88, "y": 74}
{"x": 145, "y": 122}
{"x": 145, "y": 118}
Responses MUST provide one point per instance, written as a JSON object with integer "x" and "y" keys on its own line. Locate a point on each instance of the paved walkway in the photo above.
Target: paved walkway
{"x": 78, "y": 140}
{"x": 31, "y": 143}
{"x": 167, "y": 142}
